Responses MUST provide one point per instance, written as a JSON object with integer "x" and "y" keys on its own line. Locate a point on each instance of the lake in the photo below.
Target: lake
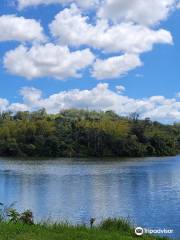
{"x": 145, "y": 190}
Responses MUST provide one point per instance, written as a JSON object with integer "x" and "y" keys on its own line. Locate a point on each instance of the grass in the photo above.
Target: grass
{"x": 110, "y": 229}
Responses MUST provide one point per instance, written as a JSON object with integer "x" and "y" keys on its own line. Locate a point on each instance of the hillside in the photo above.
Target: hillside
{"x": 81, "y": 133}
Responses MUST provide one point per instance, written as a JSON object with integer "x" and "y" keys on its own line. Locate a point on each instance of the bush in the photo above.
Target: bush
{"x": 10, "y": 214}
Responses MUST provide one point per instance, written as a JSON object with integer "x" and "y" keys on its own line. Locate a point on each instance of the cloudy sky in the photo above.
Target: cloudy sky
{"x": 122, "y": 55}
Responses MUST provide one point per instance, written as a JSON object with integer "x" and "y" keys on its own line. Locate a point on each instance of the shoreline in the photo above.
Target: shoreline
{"x": 109, "y": 229}
{"x": 93, "y": 159}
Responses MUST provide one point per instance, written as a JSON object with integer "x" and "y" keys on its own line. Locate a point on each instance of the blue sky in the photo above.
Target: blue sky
{"x": 150, "y": 75}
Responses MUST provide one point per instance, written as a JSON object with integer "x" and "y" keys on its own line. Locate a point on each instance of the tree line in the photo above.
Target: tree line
{"x": 83, "y": 133}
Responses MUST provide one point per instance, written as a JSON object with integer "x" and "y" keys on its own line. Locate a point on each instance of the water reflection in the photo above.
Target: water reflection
{"x": 148, "y": 191}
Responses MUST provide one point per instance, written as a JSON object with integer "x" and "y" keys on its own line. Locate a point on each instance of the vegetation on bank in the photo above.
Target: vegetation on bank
{"x": 18, "y": 231}
{"x": 83, "y": 133}
{"x": 20, "y": 226}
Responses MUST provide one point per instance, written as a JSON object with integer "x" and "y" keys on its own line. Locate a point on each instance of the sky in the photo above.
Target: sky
{"x": 120, "y": 55}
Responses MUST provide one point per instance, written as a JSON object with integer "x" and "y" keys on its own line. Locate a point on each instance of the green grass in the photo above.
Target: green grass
{"x": 111, "y": 229}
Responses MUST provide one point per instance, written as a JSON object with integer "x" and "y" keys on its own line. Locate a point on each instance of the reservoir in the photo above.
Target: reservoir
{"x": 145, "y": 190}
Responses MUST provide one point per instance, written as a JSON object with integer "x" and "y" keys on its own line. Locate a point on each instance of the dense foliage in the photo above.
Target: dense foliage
{"x": 82, "y": 133}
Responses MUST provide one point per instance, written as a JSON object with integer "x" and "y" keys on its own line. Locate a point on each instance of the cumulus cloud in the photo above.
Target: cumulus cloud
{"x": 98, "y": 98}
{"x": 120, "y": 89}
{"x": 20, "y": 29}
{"x": 82, "y": 3}
{"x": 115, "y": 66}
{"x": 138, "y": 11}
{"x": 72, "y": 28}
{"x": 15, "y": 107}
{"x": 30, "y": 95}
{"x": 3, "y": 104}
{"x": 124, "y": 29}
{"x": 178, "y": 95}
{"x": 47, "y": 60}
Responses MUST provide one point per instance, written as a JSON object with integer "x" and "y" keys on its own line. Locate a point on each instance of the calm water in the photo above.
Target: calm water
{"x": 146, "y": 190}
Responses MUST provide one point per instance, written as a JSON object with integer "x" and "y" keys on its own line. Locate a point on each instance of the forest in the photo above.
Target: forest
{"x": 84, "y": 133}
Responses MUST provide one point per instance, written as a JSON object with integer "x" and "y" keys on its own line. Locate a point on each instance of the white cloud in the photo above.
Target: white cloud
{"x": 120, "y": 89}
{"x": 178, "y": 95}
{"x": 99, "y": 98}
{"x": 20, "y": 29}
{"x": 47, "y": 60}
{"x": 71, "y": 28}
{"x": 130, "y": 35}
{"x": 115, "y": 66}
{"x": 82, "y": 3}
{"x": 30, "y": 95}
{"x": 3, "y": 104}
{"x": 138, "y": 11}
{"x": 15, "y": 107}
